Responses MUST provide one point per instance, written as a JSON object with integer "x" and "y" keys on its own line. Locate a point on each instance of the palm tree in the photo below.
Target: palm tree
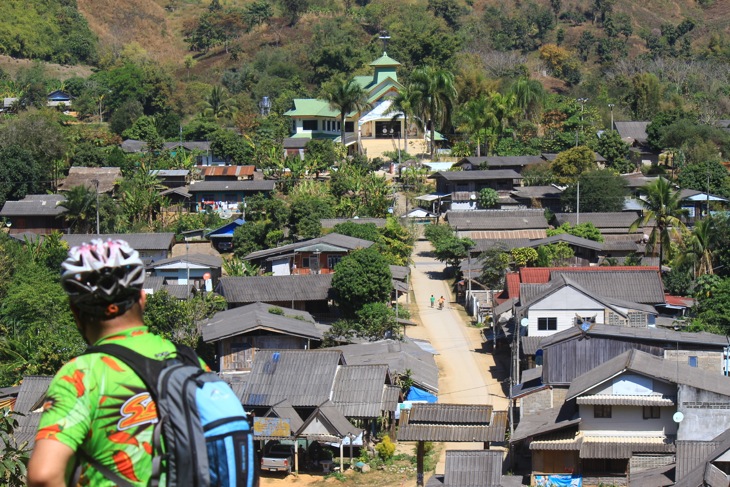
{"x": 663, "y": 205}
{"x": 405, "y": 102}
{"x": 529, "y": 96}
{"x": 217, "y": 105}
{"x": 80, "y": 204}
{"x": 345, "y": 96}
{"x": 475, "y": 118}
{"x": 438, "y": 92}
{"x": 698, "y": 249}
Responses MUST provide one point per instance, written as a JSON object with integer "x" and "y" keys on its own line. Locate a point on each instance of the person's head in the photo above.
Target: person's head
{"x": 104, "y": 282}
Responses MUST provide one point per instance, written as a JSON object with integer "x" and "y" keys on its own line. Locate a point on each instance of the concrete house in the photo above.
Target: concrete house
{"x": 188, "y": 269}
{"x": 464, "y": 186}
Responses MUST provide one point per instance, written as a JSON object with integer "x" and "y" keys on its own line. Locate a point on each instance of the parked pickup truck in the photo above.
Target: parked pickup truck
{"x": 278, "y": 458}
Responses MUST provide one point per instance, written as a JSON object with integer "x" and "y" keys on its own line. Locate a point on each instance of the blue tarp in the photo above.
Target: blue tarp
{"x": 416, "y": 394}
{"x": 558, "y": 480}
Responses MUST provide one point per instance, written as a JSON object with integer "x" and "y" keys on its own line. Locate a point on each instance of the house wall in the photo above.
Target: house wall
{"x": 706, "y": 414}
{"x": 281, "y": 267}
{"x": 706, "y": 360}
{"x": 555, "y": 306}
{"x": 627, "y": 421}
{"x": 324, "y": 268}
{"x": 557, "y": 462}
{"x": 536, "y": 402}
{"x": 564, "y": 361}
{"x": 463, "y": 205}
{"x": 237, "y": 353}
{"x": 151, "y": 256}
{"x": 41, "y": 225}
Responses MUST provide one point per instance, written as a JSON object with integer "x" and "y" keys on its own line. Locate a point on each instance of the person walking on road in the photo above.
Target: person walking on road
{"x": 432, "y": 300}
{"x": 441, "y": 302}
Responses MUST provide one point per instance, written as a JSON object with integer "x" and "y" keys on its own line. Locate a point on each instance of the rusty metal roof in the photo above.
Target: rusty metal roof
{"x": 231, "y": 171}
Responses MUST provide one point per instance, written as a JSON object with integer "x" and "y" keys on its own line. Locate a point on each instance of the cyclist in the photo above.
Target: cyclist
{"x": 441, "y": 302}
{"x": 96, "y": 407}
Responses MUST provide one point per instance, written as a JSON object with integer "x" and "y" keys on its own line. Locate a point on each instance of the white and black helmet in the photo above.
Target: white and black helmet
{"x": 103, "y": 278}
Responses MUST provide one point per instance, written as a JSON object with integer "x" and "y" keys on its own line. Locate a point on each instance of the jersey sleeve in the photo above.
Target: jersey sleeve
{"x": 67, "y": 411}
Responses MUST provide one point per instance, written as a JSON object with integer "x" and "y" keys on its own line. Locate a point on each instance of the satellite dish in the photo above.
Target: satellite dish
{"x": 524, "y": 322}
{"x": 225, "y": 213}
{"x": 678, "y": 417}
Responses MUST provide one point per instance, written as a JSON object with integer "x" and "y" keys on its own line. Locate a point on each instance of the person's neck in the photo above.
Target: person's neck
{"x": 112, "y": 327}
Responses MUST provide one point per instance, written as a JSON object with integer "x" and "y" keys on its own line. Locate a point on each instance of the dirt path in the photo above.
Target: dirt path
{"x": 466, "y": 373}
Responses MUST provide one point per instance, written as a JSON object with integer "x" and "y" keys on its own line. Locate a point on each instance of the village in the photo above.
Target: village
{"x": 560, "y": 357}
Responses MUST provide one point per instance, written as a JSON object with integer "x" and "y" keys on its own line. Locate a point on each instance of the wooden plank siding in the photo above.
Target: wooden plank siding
{"x": 237, "y": 353}
{"x": 564, "y": 361}
{"x": 554, "y": 462}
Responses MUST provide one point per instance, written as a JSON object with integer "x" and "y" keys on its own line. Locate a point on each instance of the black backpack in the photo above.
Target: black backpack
{"x": 208, "y": 441}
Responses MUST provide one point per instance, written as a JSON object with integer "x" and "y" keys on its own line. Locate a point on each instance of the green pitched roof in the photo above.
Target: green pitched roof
{"x": 385, "y": 60}
{"x": 311, "y": 107}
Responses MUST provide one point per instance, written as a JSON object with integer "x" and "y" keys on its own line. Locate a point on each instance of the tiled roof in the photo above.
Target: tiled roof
{"x": 336, "y": 239}
{"x": 331, "y": 222}
{"x": 331, "y": 417}
{"x": 451, "y": 413}
{"x": 652, "y": 366}
{"x": 545, "y": 421}
{"x": 138, "y": 241}
{"x": 284, "y": 410}
{"x": 453, "y": 422}
{"x": 634, "y": 287}
{"x": 277, "y": 375}
{"x": 624, "y": 447}
{"x": 35, "y": 205}
{"x": 497, "y": 220}
{"x": 614, "y": 220}
{"x": 501, "y": 161}
{"x": 400, "y": 356}
{"x": 179, "y": 291}
{"x": 569, "y": 239}
{"x": 257, "y": 316}
{"x": 225, "y": 186}
{"x": 693, "y": 458}
{"x": 634, "y": 130}
{"x": 232, "y": 171}
{"x": 399, "y": 272}
{"x": 488, "y": 175}
{"x": 624, "y": 400}
{"x": 169, "y": 173}
{"x": 274, "y": 289}
{"x": 511, "y": 238}
{"x": 468, "y": 468}
{"x": 206, "y": 260}
{"x": 108, "y": 178}
{"x": 529, "y": 192}
{"x": 358, "y": 390}
{"x": 33, "y": 389}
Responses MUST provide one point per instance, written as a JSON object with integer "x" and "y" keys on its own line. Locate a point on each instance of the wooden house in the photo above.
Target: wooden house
{"x": 102, "y": 179}
{"x": 40, "y": 214}
{"x": 152, "y": 247}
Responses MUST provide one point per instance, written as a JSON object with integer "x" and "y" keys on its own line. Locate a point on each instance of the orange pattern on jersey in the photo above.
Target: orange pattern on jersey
{"x": 138, "y": 333}
{"x": 138, "y": 410}
{"x": 147, "y": 447}
{"x": 48, "y": 433}
{"x": 77, "y": 380}
{"x": 124, "y": 465}
{"x": 123, "y": 438}
{"x": 112, "y": 364}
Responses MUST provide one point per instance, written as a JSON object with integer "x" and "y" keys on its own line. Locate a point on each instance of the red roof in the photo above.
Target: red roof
{"x": 232, "y": 171}
{"x": 541, "y": 275}
{"x": 679, "y": 301}
{"x": 513, "y": 285}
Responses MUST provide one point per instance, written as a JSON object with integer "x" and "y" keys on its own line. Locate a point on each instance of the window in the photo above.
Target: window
{"x": 651, "y": 412}
{"x": 309, "y": 124}
{"x": 305, "y": 262}
{"x": 547, "y": 324}
{"x": 692, "y": 361}
{"x": 601, "y": 411}
{"x": 332, "y": 261}
{"x": 349, "y": 126}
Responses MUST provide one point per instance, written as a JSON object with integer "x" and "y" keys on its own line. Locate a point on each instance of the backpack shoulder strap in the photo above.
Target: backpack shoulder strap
{"x": 146, "y": 368}
{"x": 187, "y": 355}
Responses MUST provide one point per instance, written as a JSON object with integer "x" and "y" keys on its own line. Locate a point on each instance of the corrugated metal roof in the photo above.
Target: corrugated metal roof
{"x": 511, "y": 239}
{"x": 620, "y": 447}
{"x": 651, "y": 366}
{"x": 606, "y": 220}
{"x": 469, "y": 468}
{"x": 35, "y": 205}
{"x": 497, "y": 220}
{"x": 257, "y": 316}
{"x": 440, "y": 432}
{"x": 329, "y": 415}
{"x": 618, "y": 400}
{"x": 634, "y": 130}
{"x": 400, "y": 356}
{"x": 488, "y": 175}
{"x": 154, "y": 283}
{"x": 653, "y": 477}
{"x": 244, "y": 290}
{"x": 336, "y": 239}
{"x": 559, "y": 441}
{"x": 27, "y": 429}
{"x": 391, "y": 397}
{"x": 358, "y": 390}
{"x": 32, "y": 391}
{"x": 692, "y": 457}
{"x": 529, "y": 192}
{"x": 214, "y": 261}
{"x": 304, "y": 377}
{"x": 284, "y": 410}
{"x": 545, "y": 421}
{"x": 450, "y": 413}
{"x": 138, "y": 241}
{"x": 228, "y": 186}
{"x": 399, "y": 272}
{"x": 179, "y": 291}
{"x": 635, "y": 287}
{"x": 108, "y": 178}
{"x": 530, "y": 344}
{"x": 569, "y": 239}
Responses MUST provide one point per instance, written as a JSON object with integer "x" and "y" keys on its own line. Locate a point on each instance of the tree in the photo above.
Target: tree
{"x": 523, "y": 256}
{"x": 529, "y": 96}
{"x": 80, "y": 204}
{"x": 345, "y": 96}
{"x": 320, "y": 155}
{"x": 495, "y": 263}
{"x": 663, "y": 205}
{"x": 217, "y": 105}
{"x": 294, "y": 9}
{"x": 487, "y": 198}
{"x": 553, "y": 254}
{"x": 583, "y": 230}
{"x": 20, "y": 173}
{"x": 713, "y": 303}
{"x": 361, "y": 278}
{"x": 698, "y": 250}
{"x": 476, "y": 119}
{"x": 142, "y": 129}
{"x": 449, "y": 10}
{"x": 231, "y": 146}
{"x": 645, "y": 95}
{"x": 697, "y": 176}
{"x": 437, "y": 95}
{"x": 600, "y": 191}
{"x": 250, "y": 237}
{"x": 406, "y": 102}
{"x": 615, "y": 151}
{"x": 14, "y": 456}
{"x": 448, "y": 248}
{"x": 570, "y": 164}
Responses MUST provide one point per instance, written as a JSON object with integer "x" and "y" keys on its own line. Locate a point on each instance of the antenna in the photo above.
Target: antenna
{"x": 385, "y": 38}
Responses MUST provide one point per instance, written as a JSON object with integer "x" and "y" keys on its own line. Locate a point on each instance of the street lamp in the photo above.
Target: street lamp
{"x": 392, "y": 136}
{"x": 582, "y": 102}
{"x": 611, "y": 105}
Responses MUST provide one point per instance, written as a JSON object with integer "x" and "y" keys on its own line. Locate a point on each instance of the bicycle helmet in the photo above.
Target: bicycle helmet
{"x": 103, "y": 278}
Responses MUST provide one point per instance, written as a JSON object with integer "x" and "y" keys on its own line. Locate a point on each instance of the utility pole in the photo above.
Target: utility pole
{"x": 96, "y": 184}
{"x": 611, "y": 105}
{"x": 577, "y": 205}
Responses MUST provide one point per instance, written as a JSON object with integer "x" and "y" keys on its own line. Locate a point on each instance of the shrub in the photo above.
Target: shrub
{"x": 385, "y": 449}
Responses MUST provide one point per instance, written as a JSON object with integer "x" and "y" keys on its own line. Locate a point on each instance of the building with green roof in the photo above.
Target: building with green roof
{"x": 314, "y": 119}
